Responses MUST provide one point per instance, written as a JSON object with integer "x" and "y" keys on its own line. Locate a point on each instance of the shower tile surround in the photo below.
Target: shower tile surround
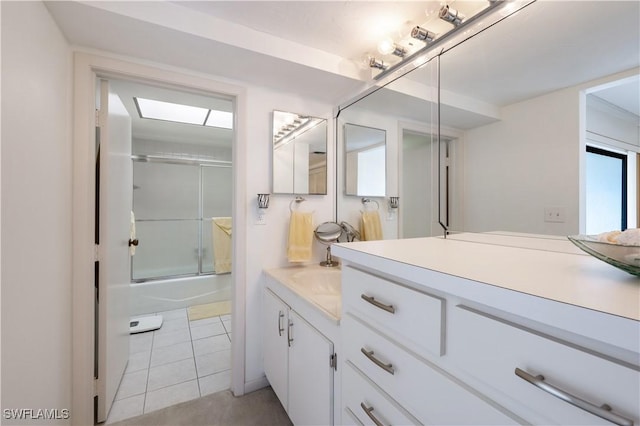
{"x": 183, "y": 360}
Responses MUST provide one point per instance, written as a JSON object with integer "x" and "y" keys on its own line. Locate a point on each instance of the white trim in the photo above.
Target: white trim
{"x": 86, "y": 68}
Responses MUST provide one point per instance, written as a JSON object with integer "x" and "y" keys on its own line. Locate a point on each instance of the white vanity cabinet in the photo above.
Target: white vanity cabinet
{"x": 391, "y": 336}
{"x": 428, "y": 339}
{"x": 299, "y": 360}
{"x": 538, "y": 375}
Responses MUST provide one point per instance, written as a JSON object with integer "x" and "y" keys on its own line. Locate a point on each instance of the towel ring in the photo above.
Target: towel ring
{"x": 367, "y": 201}
{"x": 296, "y": 200}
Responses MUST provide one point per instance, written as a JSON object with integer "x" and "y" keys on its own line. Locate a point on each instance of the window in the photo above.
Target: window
{"x": 606, "y": 190}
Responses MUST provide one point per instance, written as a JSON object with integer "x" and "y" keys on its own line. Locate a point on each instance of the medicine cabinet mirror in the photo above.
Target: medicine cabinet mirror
{"x": 299, "y": 158}
{"x": 365, "y": 161}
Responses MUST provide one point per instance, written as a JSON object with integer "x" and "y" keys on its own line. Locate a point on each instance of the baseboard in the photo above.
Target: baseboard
{"x": 254, "y": 385}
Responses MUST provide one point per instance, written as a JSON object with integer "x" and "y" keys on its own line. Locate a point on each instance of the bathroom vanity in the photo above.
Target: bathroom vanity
{"x": 486, "y": 329}
{"x": 471, "y": 329}
{"x": 301, "y": 315}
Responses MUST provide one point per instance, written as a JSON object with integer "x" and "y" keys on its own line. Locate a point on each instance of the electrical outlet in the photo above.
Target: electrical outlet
{"x": 261, "y": 219}
{"x": 554, "y": 214}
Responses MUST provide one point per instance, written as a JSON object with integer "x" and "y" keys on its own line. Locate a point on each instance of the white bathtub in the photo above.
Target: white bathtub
{"x": 157, "y": 296}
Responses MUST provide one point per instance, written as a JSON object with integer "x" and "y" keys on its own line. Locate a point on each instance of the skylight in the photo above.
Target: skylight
{"x": 222, "y": 119}
{"x": 168, "y": 111}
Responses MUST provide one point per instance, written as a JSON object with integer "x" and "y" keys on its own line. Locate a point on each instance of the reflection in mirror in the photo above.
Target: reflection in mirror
{"x": 299, "y": 154}
{"x": 524, "y": 135}
{"x": 401, "y": 107}
{"x": 517, "y": 111}
{"x": 365, "y": 165}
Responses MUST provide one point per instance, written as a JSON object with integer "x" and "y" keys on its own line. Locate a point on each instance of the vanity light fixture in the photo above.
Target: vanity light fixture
{"x": 394, "y": 202}
{"x": 263, "y": 201}
{"x": 451, "y": 15}
{"x": 387, "y": 47}
{"x": 423, "y": 34}
{"x": 377, "y": 63}
{"x": 263, "y": 205}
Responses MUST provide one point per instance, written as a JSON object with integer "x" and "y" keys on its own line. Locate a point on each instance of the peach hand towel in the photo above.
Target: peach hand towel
{"x": 300, "y": 236}
{"x": 370, "y": 227}
{"x": 221, "y": 235}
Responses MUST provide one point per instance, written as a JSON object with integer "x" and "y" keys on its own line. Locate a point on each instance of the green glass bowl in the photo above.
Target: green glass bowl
{"x": 626, "y": 258}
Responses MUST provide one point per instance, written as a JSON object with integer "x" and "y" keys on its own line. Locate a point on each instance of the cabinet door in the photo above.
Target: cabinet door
{"x": 275, "y": 345}
{"x": 311, "y": 376}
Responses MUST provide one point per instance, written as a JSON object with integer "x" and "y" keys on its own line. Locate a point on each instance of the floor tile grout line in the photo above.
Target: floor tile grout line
{"x": 195, "y": 364}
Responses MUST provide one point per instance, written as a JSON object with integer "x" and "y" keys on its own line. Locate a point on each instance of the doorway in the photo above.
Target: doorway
{"x": 88, "y": 68}
{"x": 180, "y": 275}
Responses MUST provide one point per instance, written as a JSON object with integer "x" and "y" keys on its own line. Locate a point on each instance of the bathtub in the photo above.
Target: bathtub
{"x": 165, "y": 295}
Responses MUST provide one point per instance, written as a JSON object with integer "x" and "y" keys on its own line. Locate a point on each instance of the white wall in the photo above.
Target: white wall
{"x": 36, "y": 168}
{"x": 36, "y": 211}
{"x": 266, "y": 244}
{"x": 529, "y": 160}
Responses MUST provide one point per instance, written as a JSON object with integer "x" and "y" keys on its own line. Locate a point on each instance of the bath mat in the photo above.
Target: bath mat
{"x": 209, "y": 310}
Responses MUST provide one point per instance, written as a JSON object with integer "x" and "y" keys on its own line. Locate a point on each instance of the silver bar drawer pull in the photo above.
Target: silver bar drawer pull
{"x": 374, "y": 302}
{"x": 280, "y": 328}
{"x": 604, "y": 411}
{"x": 386, "y": 367}
{"x": 289, "y": 333}
{"x": 369, "y": 411}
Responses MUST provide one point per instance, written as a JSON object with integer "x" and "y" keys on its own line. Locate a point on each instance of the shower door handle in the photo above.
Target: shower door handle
{"x": 133, "y": 242}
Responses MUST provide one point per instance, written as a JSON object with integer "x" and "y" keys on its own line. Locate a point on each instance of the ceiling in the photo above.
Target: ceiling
{"x": 315, "y": 48}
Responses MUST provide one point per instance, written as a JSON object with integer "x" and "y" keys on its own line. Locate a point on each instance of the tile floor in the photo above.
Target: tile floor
{"x": 181, "y": 361}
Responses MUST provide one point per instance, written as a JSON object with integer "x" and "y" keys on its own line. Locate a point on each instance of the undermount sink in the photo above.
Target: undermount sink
{"x": 317, "y": 281}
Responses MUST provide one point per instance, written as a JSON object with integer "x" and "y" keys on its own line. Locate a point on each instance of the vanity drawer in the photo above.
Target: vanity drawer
{"x": 363, "y": 400}
{"x": 491, "y": 349}
{"x": 395, "y": 309}
{"x": 425, "y": 391}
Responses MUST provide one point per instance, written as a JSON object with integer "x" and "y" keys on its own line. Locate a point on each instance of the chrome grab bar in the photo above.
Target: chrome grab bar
{"x": 289, "y": 338}
{"x": 280, "y": 328}
{"x": 369, "y": 411}
{"x": 374, "y": 302}
{"x": 386, "y": 367}
{"x": 603, "y": 411}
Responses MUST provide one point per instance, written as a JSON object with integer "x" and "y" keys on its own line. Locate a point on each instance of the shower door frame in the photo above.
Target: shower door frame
{"x": 88, "y": 68}
{"x": 201, "y": 164}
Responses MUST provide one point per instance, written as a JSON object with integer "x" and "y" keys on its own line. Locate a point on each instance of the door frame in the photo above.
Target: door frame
{"x": 87, "y": 69}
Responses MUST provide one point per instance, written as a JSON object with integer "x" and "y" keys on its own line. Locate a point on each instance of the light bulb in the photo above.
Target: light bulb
{"x": 386, "y": 46}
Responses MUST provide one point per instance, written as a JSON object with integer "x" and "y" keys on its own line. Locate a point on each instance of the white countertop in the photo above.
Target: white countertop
{"x": 319, "y": 286}
{"x": 542, "y": 266}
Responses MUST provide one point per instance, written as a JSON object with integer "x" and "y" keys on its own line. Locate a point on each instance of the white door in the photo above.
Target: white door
{"x": 310, "y": 375}
{"x": 276, "y": 351}
{"x": 114, "y": 192}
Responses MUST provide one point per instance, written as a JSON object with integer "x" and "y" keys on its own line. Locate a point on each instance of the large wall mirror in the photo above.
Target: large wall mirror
{"x": 299, "y": 159}
{"x": 518, "y": 107}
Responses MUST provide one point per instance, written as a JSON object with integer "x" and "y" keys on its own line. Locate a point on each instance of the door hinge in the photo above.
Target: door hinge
{"x": 96, "y": 253}
{"x": 97, "y": 118}
{"x": 95, "y": 387}
{"x": 333, "y": 361}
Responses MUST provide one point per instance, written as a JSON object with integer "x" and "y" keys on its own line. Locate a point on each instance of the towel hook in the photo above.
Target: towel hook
{"x": 367, "y": 201}
{"x": 296, "y": 200}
